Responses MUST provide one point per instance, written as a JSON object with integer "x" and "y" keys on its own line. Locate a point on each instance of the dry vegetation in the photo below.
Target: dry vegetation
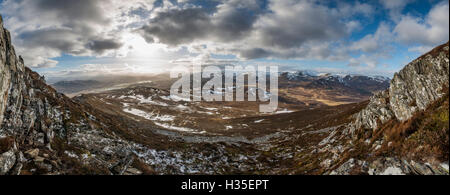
{"x": 424, "y": 137}
{"x": 6, "y": 144}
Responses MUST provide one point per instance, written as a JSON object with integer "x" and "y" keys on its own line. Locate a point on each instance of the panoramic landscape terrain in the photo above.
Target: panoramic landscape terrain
{"x": 326, "y": 123}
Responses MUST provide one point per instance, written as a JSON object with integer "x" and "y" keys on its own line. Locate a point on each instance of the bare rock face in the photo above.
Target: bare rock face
{"x": 19, "y": 106}
{"x": 378, "y": 110}
{"x": 8, "y": 62}
{"x": 415, "y": 87}
{"x": 7, "y": 161}
{"x": 420, "y": 83}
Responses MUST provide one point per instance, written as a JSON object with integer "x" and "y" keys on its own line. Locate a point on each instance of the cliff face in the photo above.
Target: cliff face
{"x": 30, "y": 111}
{"x": 420, "y": 83}
{"x": 8, "y": 62}
{"x": 403, "y": 130}
{"x": 415, "y": 87}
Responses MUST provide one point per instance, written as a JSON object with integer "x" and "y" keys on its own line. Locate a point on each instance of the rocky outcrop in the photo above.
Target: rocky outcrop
{"x": 415, "y": 87}
{"x": 8, "y": 62}
{"x": 22, "y": 110}
{"x": 384, "y": 137}
{"x": 390, "y": 166}
{"x": 420, "y": 83}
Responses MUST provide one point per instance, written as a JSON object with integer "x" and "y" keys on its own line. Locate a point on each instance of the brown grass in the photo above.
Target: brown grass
{"x": 6, "y": 144}
{"x": 436, "y": 51}
{"x": 140, "y": 165}
{"x": 425, "y": 135}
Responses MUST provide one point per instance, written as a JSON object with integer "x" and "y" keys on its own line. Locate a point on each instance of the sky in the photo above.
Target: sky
{"x": 81, "y": 38}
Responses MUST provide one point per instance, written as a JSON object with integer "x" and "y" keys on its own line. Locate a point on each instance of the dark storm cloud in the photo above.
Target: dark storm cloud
{"x": 100, "y": 46}
{"x": 266, "y": 29}
{"x": 235, "y": 24}
{"x": 308, "y": 25}
{"x": 230, "y": 21}
{"x": 254, "y": 53}
{"x": 49, "y": 28}
{"x": 73, "y": 10}
{"x": 60, "y": 39}
{"x": 178, "y": 26}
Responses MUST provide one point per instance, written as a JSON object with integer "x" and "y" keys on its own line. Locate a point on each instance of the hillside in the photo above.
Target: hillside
{"x": 69, "y": 87}
{"x": 326, "y": 89}
{"x": 297, "y": 89}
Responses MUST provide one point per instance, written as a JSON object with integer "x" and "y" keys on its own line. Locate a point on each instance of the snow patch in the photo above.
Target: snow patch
{"x": 143, "y": 100}
{"x": 444, "y": 166}
{"x": 176, "y": 98}
{"x": 149, "y": 116}
{"x": 183, "y": 108}
{"x": 393, "y": 171}
{"x": 70, "y": 154}
{"x": 182, "y": 129}
{"x": 284, "y": 111}
{"x": 211, "y": 109}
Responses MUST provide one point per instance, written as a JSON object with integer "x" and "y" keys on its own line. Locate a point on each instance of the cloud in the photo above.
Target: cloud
{"x": 99, "y": 71}
{"x": 44, "y": 63}
{"x": 357, "y": 8}
{"x": 420, "y": 49}
{"x": 369, "y": 61}
{"x": 354, "y": 62}
{"x": 395, "y": 7}
{"x": 291, "y": 24}
{"x": 375, "y": 42}
{"x": 394, "y": 4}
{"x": 251, "y": 29}
{"x": 254, "y": 53}
{"x": 234, "y": 20}
{"x": 204, "y": 59}
{"x": 155, "y": 32}
{"x": 100, "y": 46}
{"x": 231, "y": 21}
{"x": 71, "y": 11}
{"x": 61, "y": 39}
{"x": 177, "y": 27}
{"x": 373, "y": 47}
{"x": 46, "y": 29}
{"x": 301, "y": 30}
{"x": 431, "y": 31}
{"x": 421, "y": 35}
